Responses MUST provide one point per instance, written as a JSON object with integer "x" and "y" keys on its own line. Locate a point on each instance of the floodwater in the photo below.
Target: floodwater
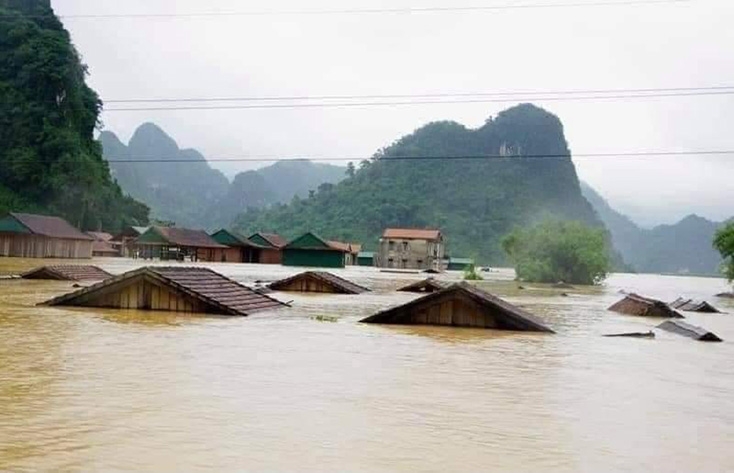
{"x": 109, "y": 390}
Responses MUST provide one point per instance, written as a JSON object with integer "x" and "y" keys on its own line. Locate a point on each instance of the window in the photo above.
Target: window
{"x": 405, "y": 246}
{"x": 391, "y": 245}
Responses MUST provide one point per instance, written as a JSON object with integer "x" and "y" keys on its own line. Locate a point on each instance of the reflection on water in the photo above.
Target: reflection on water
{"x": 92, "y": 389}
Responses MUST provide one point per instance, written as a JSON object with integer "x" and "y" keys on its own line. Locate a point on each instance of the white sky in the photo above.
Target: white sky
{"x": 644, "y": 46}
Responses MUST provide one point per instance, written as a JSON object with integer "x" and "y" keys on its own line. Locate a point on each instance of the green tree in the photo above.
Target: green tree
{"x": 724, "y": 242}
{"x": 555, "y": 251}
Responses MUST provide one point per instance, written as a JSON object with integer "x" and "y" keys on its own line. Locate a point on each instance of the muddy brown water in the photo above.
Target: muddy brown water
{"x": 285, "y": 391}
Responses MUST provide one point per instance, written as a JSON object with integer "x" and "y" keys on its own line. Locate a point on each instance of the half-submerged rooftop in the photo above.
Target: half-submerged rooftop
{"x": 68, "y": 272}
{"x": 461, "y": 305}
{"x": 425, "y": 286}
{"x": 318, "y": 281}
{"x": 175, "y": 289}
{"x": 690, "y": 305}
{"x": 635, "y": 304}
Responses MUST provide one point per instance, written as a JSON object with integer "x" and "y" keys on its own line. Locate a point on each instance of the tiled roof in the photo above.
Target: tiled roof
{"x": 425, "y": 286}
{"x": 188, "y": 238}
{"x": 634, "y": 304}
{"x": 689, "y": 305}
{"x": 411, "y": 234}
{"x": 345, "y": 247}
{"x": 54, "y": 227}
{"x": 341, "y": 285}
{"x": 68, "y": 273}
{"x": 274, "y": 239}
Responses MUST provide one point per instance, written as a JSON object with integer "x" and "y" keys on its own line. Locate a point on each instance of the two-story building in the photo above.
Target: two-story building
{"x": 411, "y": 248}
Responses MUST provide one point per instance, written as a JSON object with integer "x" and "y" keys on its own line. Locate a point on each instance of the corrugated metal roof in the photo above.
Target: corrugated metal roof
{"x": 185, "y": 237}
{"x": 220, "y": 294}
{"x": 425, "y": 286}
{"x": 689, "y": 305}
{"x": 235, "y": 239}
{"x": 340, "y": 284}
{"x": 274, "y": 239}
{"x": 53, "y": 227}
{"x": 68, "y": 272}
{"x": 635, "y": 304}
{"x": 412, "y": 233}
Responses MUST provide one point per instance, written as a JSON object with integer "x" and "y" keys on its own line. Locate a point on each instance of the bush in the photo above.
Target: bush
{"x": 471, "y": 274}
{"x": 556, "y": 251}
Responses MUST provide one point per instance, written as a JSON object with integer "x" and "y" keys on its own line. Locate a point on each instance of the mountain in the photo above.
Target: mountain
{"x": 193, "y": 194}
{"x": 682, "y": 248}
{"x": 474, "y": 201}
{"x": 50, "y": 160}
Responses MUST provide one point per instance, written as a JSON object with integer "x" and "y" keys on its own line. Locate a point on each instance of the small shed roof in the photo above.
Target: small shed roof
{"x": 506, "y": 316}
{"x": 52, "y": 227}
{"x": 425, "y": 286}
{"x": 412, "y": 233}
{"x": 689, "y": 305}
{"x": 635, "y": 304}
{"x": 273, "y": 239}
{"x": 340, "y": 285}
{"x": 219, "y": 294}
{"x": 68, "y": 273}
{"x": 183, "y": 237}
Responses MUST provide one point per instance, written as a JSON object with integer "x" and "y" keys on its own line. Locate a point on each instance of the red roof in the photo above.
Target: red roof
{"x": 53, "y": 227}
{"x": 274, "y": 239}
{"x": 412, "y": 234}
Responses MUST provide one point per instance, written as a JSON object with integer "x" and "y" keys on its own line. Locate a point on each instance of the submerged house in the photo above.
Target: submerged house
{"x": 460, "y": 264}
{"x": 366, "y": 258}
{"x": 68, "y": 273}
{"x": 178, "y": 244}
{"x": 689, "y": 305}
{"x": 241, "y": 250}
{"x": 318, "y": 281}
{"x": 175, "y": 289}
{"x": 25, "y": 235}
{"x": 126, "y": 239}
{"x": 311, "y": 250}
{"x": 411, "y": 248}
{"x": 634, "y": 304}
{"x": 103, "y": 244}
{"x": 425, "y": 286}
{"x": 461, "y": 305}
{"x": 271, "y": 247}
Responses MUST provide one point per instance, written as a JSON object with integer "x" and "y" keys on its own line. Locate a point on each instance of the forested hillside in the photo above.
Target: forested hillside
{"x": 685, "y": 247}
{"x": 474, "y": 201}
{"x": 50, "y": 160}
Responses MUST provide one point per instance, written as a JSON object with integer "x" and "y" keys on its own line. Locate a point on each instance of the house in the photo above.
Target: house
{"x": 411, "y": 248}
{"x": 460, "y": 264}
{"x": 634, "y": 304}
{"x": 366, "y": 258}
{"x": 38, "y": 236}
{"x": 241, "y": 250}
{"x": 126, "y": 240}
{"x": 351, "y": 251}
{"x": 272, "y": 247}
{"x": 318, "y": 281}
{"x": 68, "y": 273}
{"x": 311, "y": 250}
{"x": 461, "y": 305}
{"x": 690, "y": 305}
{"x": 175, "y": 289}
{"x": 104, "y": 245}
{"x": 179, "y": 243}
{"x": 425, "y": 286}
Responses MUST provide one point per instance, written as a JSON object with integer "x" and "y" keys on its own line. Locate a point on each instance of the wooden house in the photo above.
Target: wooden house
{"x": 350, "y": 250}
{"x": 104, "y": 245}
{"x": 688, "y": 330}
{"x": 271, "y": 247}
{"x": 126, "y": 240}
{"x": 689, "y": 305}
{"x": 69, "y": 272}
{"x": 38, "y": 236}
{"x": 425, "y": 286}
{"x": 634, "y": 304}
{"x": 241, "y": 250}
{"x": 311, "y": 250}
{"x": 175, "y": 289}
{"x": 180, "y": 243}
{"x": 366, "y": 258}
{"x": 460, "y": 264}
{"x": 411, "y": 248}
{"x": 318, "y": 281}
{"x": 461, "y": 305}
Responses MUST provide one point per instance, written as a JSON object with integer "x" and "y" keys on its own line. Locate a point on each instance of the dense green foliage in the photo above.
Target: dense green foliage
{"x": 192, "y": 194}
{"x": 50, "y": 160}
{"x": 471, "y": 274}
{"x": 554, "y": 251}
{"x": 724, "y": 243}
{"x": 684, "y": 247}
{"x": 474, "y": 201}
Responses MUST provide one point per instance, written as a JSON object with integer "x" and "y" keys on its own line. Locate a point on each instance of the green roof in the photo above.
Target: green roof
{"x": 366, "y": 254}
{"x": 461, "y": 260}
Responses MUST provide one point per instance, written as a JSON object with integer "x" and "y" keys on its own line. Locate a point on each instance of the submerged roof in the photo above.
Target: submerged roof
{"x": 340, "y": 285}
{"x": 217, "y": 293}
{"x": 233, "y": 238}
{"x": 275, "y": 240}
{"x": 426, "y": 285}
{"x": 688, "y": 330}
{"x": 345, "y": 247}
{"x": 635, "y": 304}
{"x": 53, "y": 227}
{"x": 427, "y": 309}
{"x": 100, "y": 236}
{"x": 68, "y": 272}
{"x": 690, "y": 305}
{"x": 412, "y": 233}
{"x": 178, "y": 237}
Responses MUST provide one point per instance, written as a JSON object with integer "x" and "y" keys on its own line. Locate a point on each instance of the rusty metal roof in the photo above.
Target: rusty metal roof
{"x": 425, "y": 286}
{"x": 509, "y": 316}
{"x": 53, "y": 227}
{"x": 341, "y": 285}
{"x": 412, "y": 234}
{"x": 68, "y": 273}
{"x": 220, "y": 294}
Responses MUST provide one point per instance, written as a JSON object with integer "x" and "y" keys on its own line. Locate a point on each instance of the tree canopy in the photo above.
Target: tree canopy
{"x": 51, "y": 162}
{"x": 554, "y": 251}
{"x": 724, "y": 242}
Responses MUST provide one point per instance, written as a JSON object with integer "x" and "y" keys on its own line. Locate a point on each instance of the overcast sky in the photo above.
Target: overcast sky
{"x": 685, "y": 44}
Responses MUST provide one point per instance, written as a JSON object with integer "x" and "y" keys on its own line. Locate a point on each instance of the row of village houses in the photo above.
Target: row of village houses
{"x": 37, "y": 236}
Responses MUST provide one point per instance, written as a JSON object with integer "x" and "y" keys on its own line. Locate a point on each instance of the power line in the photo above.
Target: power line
{"x": 376, "y": 11}
{"x": 419, "y": 102}
{"x": 637, "y": 154}
{"x": 526, "y": 93}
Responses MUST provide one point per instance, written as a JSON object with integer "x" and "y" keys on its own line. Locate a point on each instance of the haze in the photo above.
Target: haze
{"x": 686, "y": 44}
